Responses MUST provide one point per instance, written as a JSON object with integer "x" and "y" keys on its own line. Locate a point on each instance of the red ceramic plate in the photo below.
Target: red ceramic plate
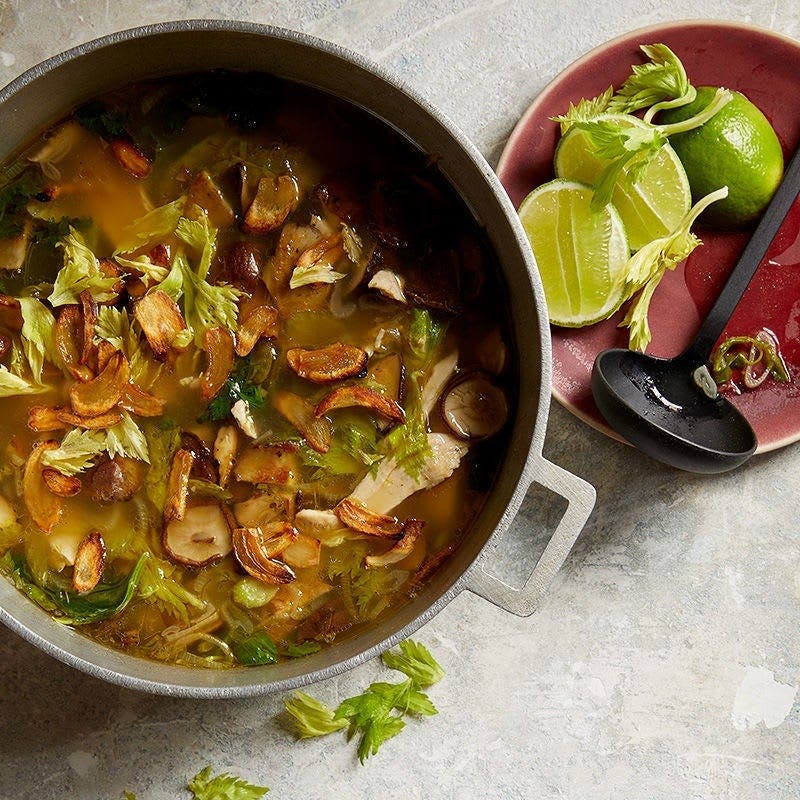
{"x": 765, "y": 67}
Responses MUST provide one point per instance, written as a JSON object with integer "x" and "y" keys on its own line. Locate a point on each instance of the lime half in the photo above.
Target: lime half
{"x": 653, "y": 204}
{"x": 581, "y": 254}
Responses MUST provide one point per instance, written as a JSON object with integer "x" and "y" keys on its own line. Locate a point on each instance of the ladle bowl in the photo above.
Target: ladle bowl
{"x": 671, "y": 408}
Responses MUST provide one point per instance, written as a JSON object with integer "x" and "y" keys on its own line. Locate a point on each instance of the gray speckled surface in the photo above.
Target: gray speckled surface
{"x": 664, "y": 663}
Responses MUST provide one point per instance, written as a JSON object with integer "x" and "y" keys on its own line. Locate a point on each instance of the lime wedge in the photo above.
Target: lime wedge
{"x": 652, "y": 205}
{"x": 581, "y": 254}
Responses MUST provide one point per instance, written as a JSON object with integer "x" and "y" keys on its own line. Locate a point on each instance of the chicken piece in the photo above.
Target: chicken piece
{"x": 392, "y": 484}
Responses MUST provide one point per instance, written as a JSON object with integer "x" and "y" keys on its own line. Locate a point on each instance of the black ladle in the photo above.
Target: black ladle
{"x": 670, "y": 408}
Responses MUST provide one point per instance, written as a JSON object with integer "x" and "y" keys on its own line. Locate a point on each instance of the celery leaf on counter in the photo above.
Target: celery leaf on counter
{"x": 205, "y": 786}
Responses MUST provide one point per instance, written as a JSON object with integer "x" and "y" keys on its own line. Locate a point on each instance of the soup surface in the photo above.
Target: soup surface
{"x": 254, "y": 370}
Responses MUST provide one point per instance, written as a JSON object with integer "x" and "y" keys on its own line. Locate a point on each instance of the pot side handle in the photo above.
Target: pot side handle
{"x": 580, "y": 497}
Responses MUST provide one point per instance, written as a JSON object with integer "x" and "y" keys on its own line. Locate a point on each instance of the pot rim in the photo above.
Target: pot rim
{"x": 528, "y": 470}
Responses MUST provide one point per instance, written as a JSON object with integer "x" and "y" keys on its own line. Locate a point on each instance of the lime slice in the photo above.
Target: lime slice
{"x": 581, "y": 254}
{"x": 652, "y": 205}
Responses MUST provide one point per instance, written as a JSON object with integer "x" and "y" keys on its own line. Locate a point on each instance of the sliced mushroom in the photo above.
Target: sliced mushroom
{"x": 386, "y": 376}
{"x": 240, "y": 411}
{"x": 323, "y": 524}
{"x": 474, "y": 408}
{"x": 142, "y": 403}
{"x": 272, "y": 538}
{"x": 218, "y": 344}
{"x": 226, "y": 446}
{"x": 327, "y": 250}
{"x": 201, "y": 538}
{"x": 492, "y": 353}
{"x": 42, "y": 418}
{"x": 14, "y": 249}
{"x": 265, "y": 507}
{"x": 203, "y": 467}
{"x": 341, "y": 193}
{"x": 102, "y": 421}
{"x": 277, "y": 464}
{"x": 242, "y": 267}
{"x": 131, "y": 158}
{"x": 5, "y": 346}
{"x": 335, "y": 362}
{"x": 412, "y": 529}
{"x": 160, "y": 319}
{"x": 357, "y": 516}
{"x": 115, "y": 480}
{"x": 204, "y": 192}
{"x": 361, "y": 396}
{"x": 256, "y": 548}
{"x": 60, "y": 484}
{"x": 178, "y": 485}
{"x": 390, "y": 284}
{"x": 315, "y": 429}
{"x": 103, "y": 392}
{"x": 303, "y": 552}
{"x": 275, "y": 199}
{"x": 89, "y": 309}
{"x": 90, "y": 561}
{"x": 44, "y": 507}
{"x": 261, "y": 323}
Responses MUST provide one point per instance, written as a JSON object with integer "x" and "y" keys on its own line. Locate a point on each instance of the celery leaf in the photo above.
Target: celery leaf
{"x": 660, "y": 83}
{"x": 157, "y": 586}
{"x": 81, "y": 271}
{"x": 415, "y": 661}
{"x": 77, "y": 451}
{"x": 152, "y": 228}
{"x": 205, "y": 786}
{"x": 126, "y": 439}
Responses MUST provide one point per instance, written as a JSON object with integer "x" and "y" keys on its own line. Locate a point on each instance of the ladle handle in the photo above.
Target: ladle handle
{"x": 750, "y": 259}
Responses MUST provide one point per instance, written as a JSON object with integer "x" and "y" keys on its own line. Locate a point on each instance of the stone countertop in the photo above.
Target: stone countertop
{"x": 664, "y": 662}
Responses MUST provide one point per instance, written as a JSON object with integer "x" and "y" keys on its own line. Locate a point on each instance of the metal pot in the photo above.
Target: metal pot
{"x": 49, "y": 90}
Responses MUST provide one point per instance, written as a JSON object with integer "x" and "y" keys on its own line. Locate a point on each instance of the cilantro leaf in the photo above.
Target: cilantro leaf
{"x": 239, "y": 386}
{"x": 302, "y": 649}
{"x": 102, "y": 121}
{"x": 224, "y": 786}
{"x": 14, "y": 196}
{"x": 259, "y": 648}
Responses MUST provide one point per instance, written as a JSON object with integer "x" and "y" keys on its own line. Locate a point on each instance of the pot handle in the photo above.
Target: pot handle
{"x": 580, "y": 497}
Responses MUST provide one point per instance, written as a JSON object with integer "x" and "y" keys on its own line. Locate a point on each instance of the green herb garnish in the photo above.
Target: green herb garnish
{"x": 239, "y": 386}
{"x": 205, "y": 786}
{"x": 106, "y": 601}
{"x": 376, "y": 715}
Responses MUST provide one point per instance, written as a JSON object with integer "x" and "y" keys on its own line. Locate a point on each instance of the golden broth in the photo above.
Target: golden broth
{"x": 301, "y": 188}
